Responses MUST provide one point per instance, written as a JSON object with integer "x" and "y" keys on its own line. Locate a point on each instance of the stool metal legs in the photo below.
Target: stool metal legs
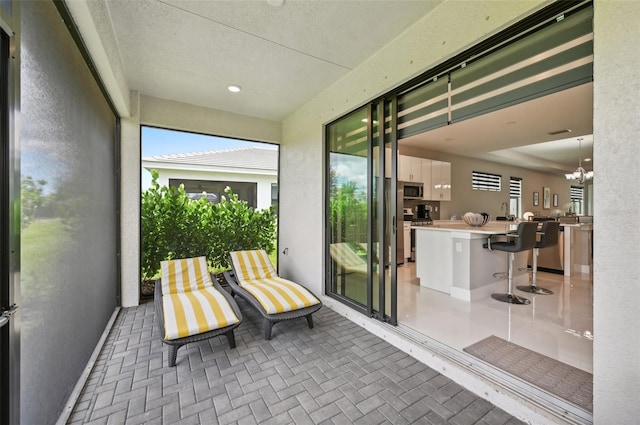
{"x": 533, "y": 288}
{"x": 510, "y": 297}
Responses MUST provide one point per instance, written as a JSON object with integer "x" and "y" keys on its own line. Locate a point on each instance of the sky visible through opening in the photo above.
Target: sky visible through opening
{"x": 160, "y": 141}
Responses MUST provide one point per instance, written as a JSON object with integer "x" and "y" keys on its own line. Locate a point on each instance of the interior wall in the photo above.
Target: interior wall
{"x": 464, "y": 198}
{"x": 616, "y": 344}
{"x": 69, "y": 246}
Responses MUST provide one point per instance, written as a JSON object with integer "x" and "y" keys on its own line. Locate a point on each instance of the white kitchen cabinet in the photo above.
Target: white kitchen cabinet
{"x": 440, "y": 181}
{"x": 435, "y": 175}
{"x": 409, "y": 169}
{"x": 426, "y": 179}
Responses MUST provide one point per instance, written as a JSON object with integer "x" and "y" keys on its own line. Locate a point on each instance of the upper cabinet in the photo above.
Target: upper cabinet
{"x": 426, "y": 178}
{"x": 440, "y": 181}
{"x": 409, "y": 169}
{"x": 435, "y": 175}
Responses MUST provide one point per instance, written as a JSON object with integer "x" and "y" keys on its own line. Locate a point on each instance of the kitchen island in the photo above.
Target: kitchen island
{"x": 450, "y": 258}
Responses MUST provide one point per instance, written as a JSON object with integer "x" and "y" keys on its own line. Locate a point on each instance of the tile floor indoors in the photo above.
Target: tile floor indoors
{"x": 336, "y": 373}
{"x": 559, "y": 326}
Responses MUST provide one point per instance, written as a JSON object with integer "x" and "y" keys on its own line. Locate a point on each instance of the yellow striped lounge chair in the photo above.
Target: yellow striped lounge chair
{"x": 190, "y": 306}
{"x": 255, "y": 280}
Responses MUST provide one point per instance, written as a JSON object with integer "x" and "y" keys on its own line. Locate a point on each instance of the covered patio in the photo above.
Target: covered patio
{"x": 336, "y": 373}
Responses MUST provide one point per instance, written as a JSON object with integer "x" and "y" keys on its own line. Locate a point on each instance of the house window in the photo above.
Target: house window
{"x": 486, "y": 181}
{"x": 515, "y": 196}
{"x": 214, "y": 190}
{"x": 577, "y": 199}
{"x": 274, "y": 193}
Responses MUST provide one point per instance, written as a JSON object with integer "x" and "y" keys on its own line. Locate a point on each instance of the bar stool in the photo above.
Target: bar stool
{"x": 548, "y": 238}
{"x": 523, "y": 240}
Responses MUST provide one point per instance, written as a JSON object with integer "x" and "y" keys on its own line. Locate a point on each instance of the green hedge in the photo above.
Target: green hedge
{"x": 175, "y": 226}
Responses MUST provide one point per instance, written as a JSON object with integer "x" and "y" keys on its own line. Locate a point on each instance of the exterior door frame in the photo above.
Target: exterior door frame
{"x": 9, "y": 216}
{"x": 378, "y": 206}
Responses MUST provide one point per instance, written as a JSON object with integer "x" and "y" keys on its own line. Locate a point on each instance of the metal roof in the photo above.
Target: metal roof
{"x": 248, "y": 158}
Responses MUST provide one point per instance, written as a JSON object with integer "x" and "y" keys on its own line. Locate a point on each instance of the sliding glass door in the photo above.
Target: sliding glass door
{"x": 9, "y": 323}
{"x": 361, "y": 203}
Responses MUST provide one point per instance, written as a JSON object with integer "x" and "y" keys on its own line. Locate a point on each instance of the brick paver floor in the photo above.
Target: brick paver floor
{"x": 336, "y": 373}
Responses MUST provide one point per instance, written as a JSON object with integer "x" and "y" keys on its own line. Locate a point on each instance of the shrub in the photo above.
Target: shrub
{"x": 175, "y": 226}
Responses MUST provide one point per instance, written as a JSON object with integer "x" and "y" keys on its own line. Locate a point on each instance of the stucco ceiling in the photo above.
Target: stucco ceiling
{"x": 281, "y": 56}
{"x": 284, "y": 53}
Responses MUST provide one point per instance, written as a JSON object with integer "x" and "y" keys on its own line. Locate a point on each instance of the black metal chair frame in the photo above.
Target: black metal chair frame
{"x": 268, "y": 319}
{"x": 523, "y": 239}
{"x": 174, "y": 344}
{"x": 548, "y": 237}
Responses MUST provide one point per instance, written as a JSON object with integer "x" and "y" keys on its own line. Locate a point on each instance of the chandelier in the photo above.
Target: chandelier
{"x": 580, "y": 175}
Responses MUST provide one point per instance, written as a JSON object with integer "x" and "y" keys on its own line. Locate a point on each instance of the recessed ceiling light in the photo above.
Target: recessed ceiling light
{"x": 234, "y": 89}
{"x": 275, "y": 3}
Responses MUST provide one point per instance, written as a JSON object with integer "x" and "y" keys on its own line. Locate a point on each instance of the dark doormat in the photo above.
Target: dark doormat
{"x": 563, "y": 380}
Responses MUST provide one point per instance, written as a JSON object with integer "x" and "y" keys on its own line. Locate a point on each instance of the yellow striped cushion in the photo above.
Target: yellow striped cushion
{"x": 184, "y": 275}
{"x": 256, "y": 274}
{"x": 250, "y": 265}
{"x": 190, "y": 303}
{"x": 347, "y": 259}
{"x": 278, "y": 295}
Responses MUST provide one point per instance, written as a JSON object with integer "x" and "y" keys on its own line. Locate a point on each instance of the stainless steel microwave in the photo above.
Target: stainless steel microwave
{"x": 412, "y": 190}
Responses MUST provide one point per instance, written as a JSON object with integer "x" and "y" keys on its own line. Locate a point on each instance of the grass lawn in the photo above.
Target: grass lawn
{"x": 39, "y": 243}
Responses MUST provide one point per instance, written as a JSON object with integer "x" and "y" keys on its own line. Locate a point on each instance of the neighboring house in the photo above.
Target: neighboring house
{"x": 251, "y": 173}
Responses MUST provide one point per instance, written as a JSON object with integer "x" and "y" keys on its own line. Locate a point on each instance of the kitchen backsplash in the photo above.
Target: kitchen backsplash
{"x": 435, "y": 206}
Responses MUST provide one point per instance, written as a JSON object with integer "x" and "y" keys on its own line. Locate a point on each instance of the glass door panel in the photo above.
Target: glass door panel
{"x": 362, "y": 212}
{"x": 348, "y": 214}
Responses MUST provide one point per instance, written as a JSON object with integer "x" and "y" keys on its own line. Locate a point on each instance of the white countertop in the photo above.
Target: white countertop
{"x": 491, "y": 228}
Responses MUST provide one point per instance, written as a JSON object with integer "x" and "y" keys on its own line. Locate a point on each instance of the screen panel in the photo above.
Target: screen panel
{"x": 69, "y": 275}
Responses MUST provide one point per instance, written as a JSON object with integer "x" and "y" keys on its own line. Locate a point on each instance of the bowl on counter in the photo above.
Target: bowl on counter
{"x": 476, "y": 219}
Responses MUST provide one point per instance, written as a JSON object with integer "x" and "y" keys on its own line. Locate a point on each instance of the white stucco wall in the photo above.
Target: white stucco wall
{"x": 130, "y": 205}
{"x": 616, "y": 287}
{"x": 181, "y": 116}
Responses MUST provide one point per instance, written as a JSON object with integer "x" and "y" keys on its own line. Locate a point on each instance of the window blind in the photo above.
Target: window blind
{"x": 486, "y": 181}
{"x": 577, "y": 193}
{"x": 515, "y": 187}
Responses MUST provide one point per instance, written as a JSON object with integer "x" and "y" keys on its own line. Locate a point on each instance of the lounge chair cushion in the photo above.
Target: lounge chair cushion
{"x": 252, "y": 265}
{"x": 190, "y": 303}
{"x": 256, "y": 275}
{"x": 347, "y": 259}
